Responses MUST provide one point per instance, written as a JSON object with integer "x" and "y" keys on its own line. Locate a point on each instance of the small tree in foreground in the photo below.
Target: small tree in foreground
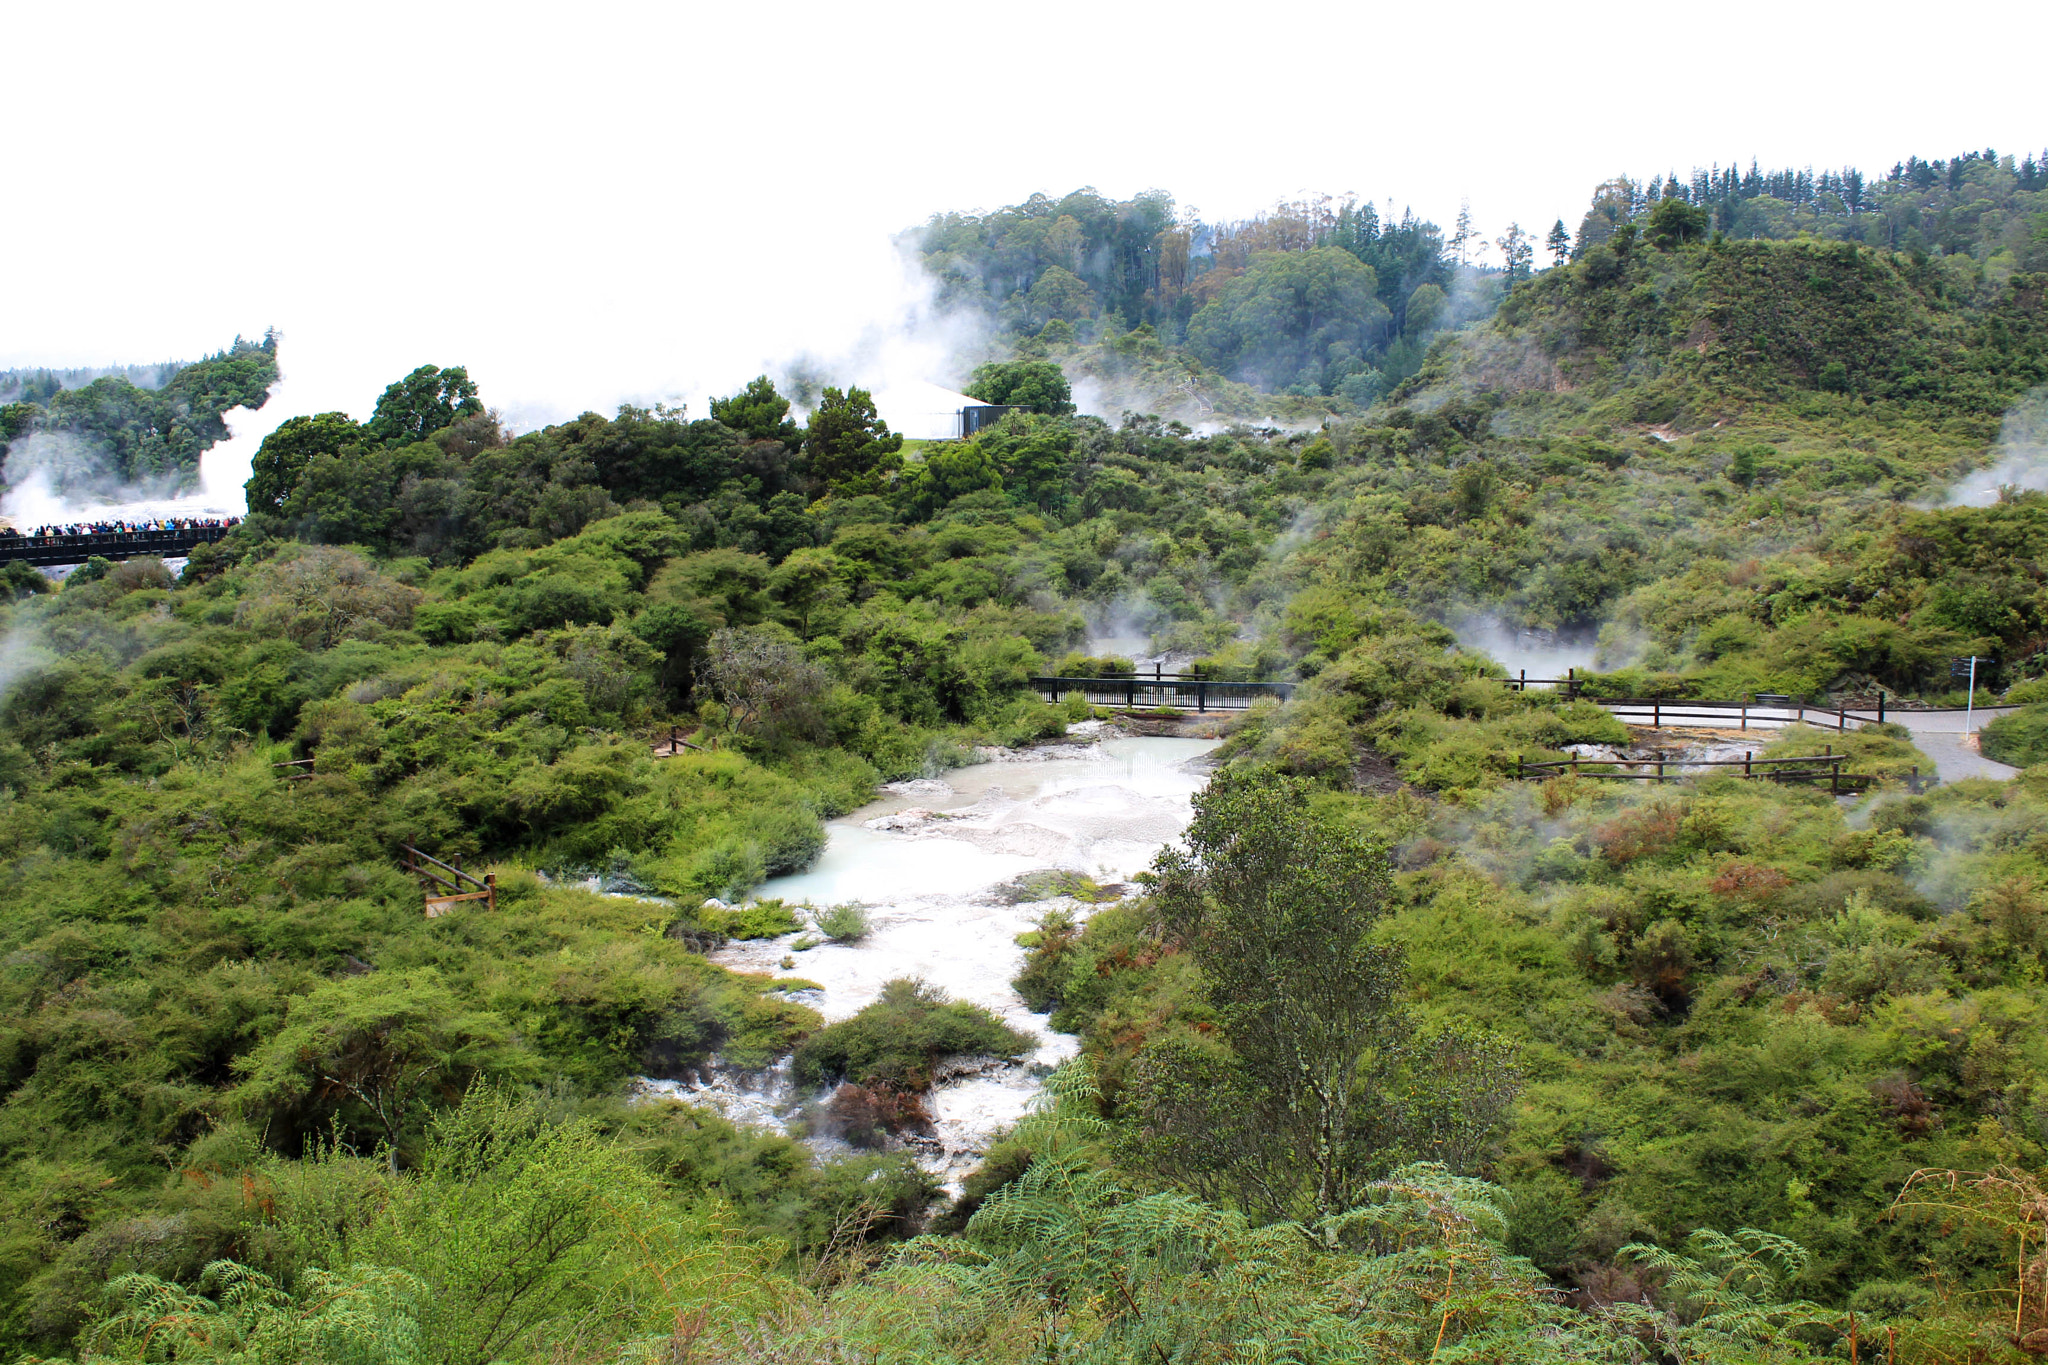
{"x": 1325, "y": 1080}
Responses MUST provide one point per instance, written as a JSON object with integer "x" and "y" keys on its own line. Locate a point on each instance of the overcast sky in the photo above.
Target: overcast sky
{"x": 583, "y": 202}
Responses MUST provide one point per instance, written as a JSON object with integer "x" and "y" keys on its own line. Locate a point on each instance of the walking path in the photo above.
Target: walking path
{"x": 1939, "y": 735}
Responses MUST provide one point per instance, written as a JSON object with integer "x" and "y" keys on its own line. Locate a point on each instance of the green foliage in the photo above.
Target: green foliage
{"x": 756, "y": 919}
{"x": 424, "y": 402}
{"x": 758, "y": 413}
{"x": 1034, "y": 384}
{"x": 1728, "y": 1294}
{"x": 386, "y": 1042}
{"x": 368, "y": 1316}
{"x": 291, "y": 447}
{"x": 1065, "y": 1262}
{"x": 19, "y": 580}
{"x": 2020, "y": 738}
{"x": 848, "y": 446}
{"x": 1324, "y": 1081}
{"x": 111, "y": 431}
{"x": 1290, "y": 316}
{"x": 846, "y": 922}
{"x": 894, "y": 1042}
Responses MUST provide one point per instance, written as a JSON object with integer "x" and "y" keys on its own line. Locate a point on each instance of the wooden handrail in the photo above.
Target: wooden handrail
{"x": 422, "y": 866}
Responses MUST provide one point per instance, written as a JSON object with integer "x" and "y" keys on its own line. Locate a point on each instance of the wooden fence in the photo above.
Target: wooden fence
{"x": 1810, "y": 769}
{"x": 1764, "y": 707}
{"x": 448, "y": 879}
{"x": 1177, "y": 691}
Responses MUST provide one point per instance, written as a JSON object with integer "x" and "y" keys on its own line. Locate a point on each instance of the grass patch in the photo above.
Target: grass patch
{"x": 1052, "y": 883}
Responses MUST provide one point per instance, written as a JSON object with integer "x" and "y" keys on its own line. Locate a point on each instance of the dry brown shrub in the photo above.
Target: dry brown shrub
{"x": 865, "y": 1115}
{"x": 1639, "y": 833}
{"x": 1750, "y": 881}
{"x": 1905, "y": 1104}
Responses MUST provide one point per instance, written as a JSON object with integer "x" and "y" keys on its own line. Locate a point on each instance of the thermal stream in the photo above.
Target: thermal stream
{"x": 928, "y": 860}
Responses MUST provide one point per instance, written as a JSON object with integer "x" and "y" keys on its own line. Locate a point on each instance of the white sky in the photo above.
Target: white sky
{"x": 583, "y": 202}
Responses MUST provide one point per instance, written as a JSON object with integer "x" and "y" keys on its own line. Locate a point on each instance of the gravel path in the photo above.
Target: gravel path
{"x": 1938, "y": 734}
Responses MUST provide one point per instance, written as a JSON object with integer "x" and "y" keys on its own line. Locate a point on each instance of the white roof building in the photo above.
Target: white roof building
{"x": 922, "y": 411}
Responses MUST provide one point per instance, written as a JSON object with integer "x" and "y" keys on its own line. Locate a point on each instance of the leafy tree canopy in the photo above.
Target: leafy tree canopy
{"x": 422, "y": 403}
{"x": 1039, "y": 385}
{"x": 848, "y": 445}
{"x": 286, "y": 452}
{"x": 758, "y": 413}
{"x": 1290, "y": 315}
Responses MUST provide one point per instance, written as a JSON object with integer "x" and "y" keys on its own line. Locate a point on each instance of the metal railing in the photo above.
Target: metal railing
{"x": 52, "y": 550}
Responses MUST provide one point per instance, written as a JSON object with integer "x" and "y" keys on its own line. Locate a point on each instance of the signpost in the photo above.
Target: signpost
{"x": 1967, "y": 668}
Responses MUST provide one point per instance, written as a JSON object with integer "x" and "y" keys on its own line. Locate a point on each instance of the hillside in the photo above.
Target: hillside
{"x": 113, "y": 431}
{"x": 1579, "y": 1052}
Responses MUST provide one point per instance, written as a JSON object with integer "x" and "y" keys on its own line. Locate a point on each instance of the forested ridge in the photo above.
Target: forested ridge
{"x": 1395, "y": 1059}
{"x": 138, "y": 426}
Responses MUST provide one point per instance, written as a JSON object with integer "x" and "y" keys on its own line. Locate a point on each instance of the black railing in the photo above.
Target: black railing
{"x": 106, "y": 544}
{"x": 1172, "y": 691}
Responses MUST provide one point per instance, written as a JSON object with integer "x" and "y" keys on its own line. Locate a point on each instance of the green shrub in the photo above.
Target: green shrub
{"x": 2020, "y": 739}
{"x": 757, "y": 919}
{"x": 1042, "y": 980}
{"x": 846, "y": 922}
{"x": 1885, "y": 752}
{"x": 894, "y": 1042}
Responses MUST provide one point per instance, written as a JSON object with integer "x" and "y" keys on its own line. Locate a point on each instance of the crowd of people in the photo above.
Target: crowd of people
{"x": 146, "y": 526}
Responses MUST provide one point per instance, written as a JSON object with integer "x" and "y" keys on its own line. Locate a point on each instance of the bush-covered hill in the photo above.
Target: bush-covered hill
{"x": 111, "y": 431}
{"x": 1592, "y": 1072}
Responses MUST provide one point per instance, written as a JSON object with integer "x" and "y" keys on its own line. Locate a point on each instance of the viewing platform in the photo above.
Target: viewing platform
{"x": 54, "y": 550}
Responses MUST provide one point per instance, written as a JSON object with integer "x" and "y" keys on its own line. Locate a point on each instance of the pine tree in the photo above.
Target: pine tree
{"x": 1464, "y": 235}
{"x": 1518, "y": 250}
{"x": 1559, "y": 242}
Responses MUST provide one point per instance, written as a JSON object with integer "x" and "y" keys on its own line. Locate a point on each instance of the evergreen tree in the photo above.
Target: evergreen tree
{"x": 1517, "y": 252}
{"x": 1462, "y": 238}
{"x": 848, "y": 445}
{"x": 1559, "y": 243}
{"x": 758, "y": 413}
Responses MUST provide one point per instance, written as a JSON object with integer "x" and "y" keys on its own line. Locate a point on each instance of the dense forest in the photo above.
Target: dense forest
{"x": 136, "y": 426}
{"x": 1393, "y": 1058}
{"x": 1334, "y": 299}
